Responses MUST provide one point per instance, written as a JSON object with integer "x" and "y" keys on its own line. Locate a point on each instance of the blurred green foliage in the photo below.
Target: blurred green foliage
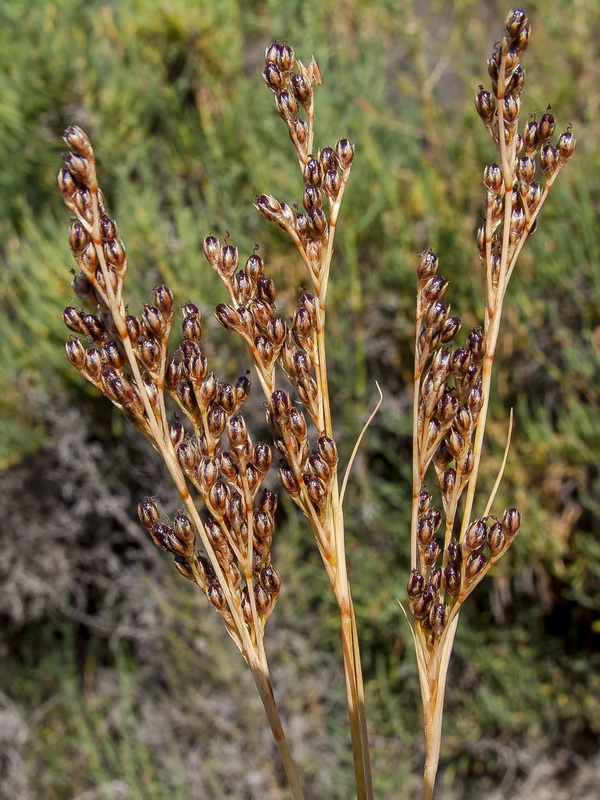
{"x": 186, "y": 137}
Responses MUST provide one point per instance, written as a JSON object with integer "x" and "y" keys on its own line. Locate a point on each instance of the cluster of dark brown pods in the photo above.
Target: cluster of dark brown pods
{"x": 128, "y": 362}
{"x": 513, "y": 197}
{"x": 452, "y": 384}
{"x": 450, "y": 398}
{"x": 271, "y": 340}
{"x": 295, "y": 344}
{"x": 324, "y": 173}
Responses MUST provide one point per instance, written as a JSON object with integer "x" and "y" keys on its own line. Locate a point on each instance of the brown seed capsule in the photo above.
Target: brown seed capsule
{"x": 286, "y": 106}
{"x": 67, "y": 184}
{"x": 332, "y": 184}
{"x": 173, "y": 374}
{"x": 148, "y": 513}
{"x": 280, "y": 404}
{"x": 307, "y": 391}
{"x": 496, "y": 538}
{"x": 475, "y": 563}
{"x": 215, "y": 596}
{"x": 93, "y": 364}
{"x": 176, "y": 433}
{"x": 276, "y": 331}
{"x": 425, "y": 531}
{"x": 161, "y": 536}
{"x": 281, "y": 54}
{"x": 455, "y": 443}
{"x": 268, "y": 501}
{"x": 438, "y": 617}
{"x": 485, "y": 104}
{"x": 288, "y": 481}
{"x": 514, "y": 23}
{"x": 269, "y": 207}
{"x": 207, "y": 473}
{"x": 207, "y": 389}
{"x": 531, "y": 138}
{"x": 116, "y": 387}
{"x": 316, "y": 490}
{"x": 302, "y": 325}
{"x": 415, "y": 584}
{"x": 213, "y": 251}
{"x": 475, "y": 537}
{"x": 447, "y": 407}
{"x": 237, "y": 432}
{"x": 270, "y": 580}
{"x": 229, "y": 260}
{"x": 182, "y": 566}
{"x": 516, "y": 83}
{"x": 434, "y": 288}
{"x": 184, "y": 530}
{"x": 511, "y": 107}
{"x": 454, "y": 552}
{"x": 317, "y": 223}
{"x": 215, "y": 420}
{"x": 262, "y": 457}
{"x": 300, "y": 130}
{"x": 319, "y": 468}
{"x": 451, "y": 579}
{"x": 187, "y": 455}
{"x": 423, "y": 603}
{"x": 79, "y": 167}
{"x": 565, "y": 146}
{"x": 241, "y": 288}
{"x": 312, "y": 173}
{"x": 463, "y": 421}
{"x": 163, "y": 297}
{"x": 76, "y": 353}
{"x": 492, "y": 178}
{"x": 263, "y": 600}
{"x": 226, "y": 397}
{"x": 217, "y": 499}
{"x": 273, "y": 77}
{"x": 242, "y": 389}
{"x": 511, "y": 522}
{"x": 431, "y": 553}
{"x": 548, "y": 160}
{"x": 73, "y": 319}
{"x": 114, "y": 252}
{"x": 301, "y": 89}
{"x": 254, "y": 268}
{"x": 344, "y": 152}
{"x": 111, "y": 355}
{"x": 149, "y": 351}
{"x": 546, "y": 127}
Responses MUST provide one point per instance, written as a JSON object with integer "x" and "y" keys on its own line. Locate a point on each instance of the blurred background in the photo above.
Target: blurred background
{"x": 116, "y": 679}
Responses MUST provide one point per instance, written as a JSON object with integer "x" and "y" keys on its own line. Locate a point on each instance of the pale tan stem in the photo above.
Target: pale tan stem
{"x": 433, "y": 672}
{"x": 265, "y": 690}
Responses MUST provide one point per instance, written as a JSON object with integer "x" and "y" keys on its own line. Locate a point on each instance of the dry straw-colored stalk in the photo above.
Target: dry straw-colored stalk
{"x": 211, "y": 456}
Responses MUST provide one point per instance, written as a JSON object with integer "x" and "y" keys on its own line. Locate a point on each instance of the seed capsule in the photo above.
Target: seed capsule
{"x": 270, "y": 580}
{"x": 415, "y": 584}
{"x": 475, "y": 563}
{"x": 451, "y": 579}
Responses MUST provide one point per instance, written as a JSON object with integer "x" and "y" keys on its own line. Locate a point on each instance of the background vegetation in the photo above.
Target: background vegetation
{"x": 116, "y": 680}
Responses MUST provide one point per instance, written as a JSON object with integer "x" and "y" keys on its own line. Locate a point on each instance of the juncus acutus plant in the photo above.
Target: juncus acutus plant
{"x": 221, "y": 538}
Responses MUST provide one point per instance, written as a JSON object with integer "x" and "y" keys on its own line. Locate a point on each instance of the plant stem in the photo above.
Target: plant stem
{"x": 265, "y": 689}
{"x": 433, "y": 671}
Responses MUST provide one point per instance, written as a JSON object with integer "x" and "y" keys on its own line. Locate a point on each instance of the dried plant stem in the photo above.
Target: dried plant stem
{"x": 452, "y": 387}
{"x": 265, "y": 689}
{"x": 433, "y": 690}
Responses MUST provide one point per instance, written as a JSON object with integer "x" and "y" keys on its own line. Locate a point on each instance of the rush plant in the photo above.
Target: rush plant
{"x": 221, "y": 538}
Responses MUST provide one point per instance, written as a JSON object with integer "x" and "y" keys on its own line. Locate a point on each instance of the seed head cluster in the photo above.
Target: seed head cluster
{"x": 125, "y": 356}
{"x": 452, "y": 382}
